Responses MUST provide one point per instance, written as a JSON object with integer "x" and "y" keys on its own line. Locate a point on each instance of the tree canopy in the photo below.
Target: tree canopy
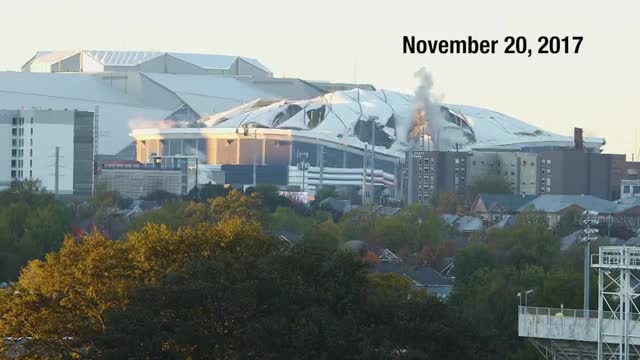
{"x": 223, "y": 287}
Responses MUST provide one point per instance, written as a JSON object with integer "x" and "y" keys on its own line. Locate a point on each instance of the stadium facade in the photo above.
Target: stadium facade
{"x": 220, "y": 110}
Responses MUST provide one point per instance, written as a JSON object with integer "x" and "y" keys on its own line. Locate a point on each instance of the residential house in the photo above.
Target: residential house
{"x": 493, "y": 208}
{"x": 422, "y": 277}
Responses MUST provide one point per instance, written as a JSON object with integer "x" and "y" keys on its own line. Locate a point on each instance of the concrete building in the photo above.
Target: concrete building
{"x": 431, "y": 172}
{"x": 630, "y": 188}
{"x": 55, "y": 147}
{"x": 572, "y": 172}
{"x": 519, "y": 169}
{"x": 136, "y": 183}
{"x": 98, "y": 61}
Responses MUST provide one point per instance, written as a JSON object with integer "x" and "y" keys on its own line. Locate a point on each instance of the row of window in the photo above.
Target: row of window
{"x": 627, "y": 189}
{"x": 19, "y": 121}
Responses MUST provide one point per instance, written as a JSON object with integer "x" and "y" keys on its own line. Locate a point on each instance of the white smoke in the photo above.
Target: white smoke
{"x": 135, "y": 124}
{"x": 429, "y": 119}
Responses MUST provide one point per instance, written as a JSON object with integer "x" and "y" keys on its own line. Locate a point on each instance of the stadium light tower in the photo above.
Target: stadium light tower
{"x": 303, "y": 165}
{"x": 589, "y": 219}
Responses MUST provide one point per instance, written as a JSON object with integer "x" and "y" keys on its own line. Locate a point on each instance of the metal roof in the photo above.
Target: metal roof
{"x": 52, "y": 57}
{"x": 122, "y": 58}
{"x": 508, "y": 202}
{"x": 557, "y": 203}
{"x": 215, "y": 62}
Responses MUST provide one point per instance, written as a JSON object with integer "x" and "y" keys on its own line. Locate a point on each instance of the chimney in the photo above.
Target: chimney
{"x": 578, "y": 140}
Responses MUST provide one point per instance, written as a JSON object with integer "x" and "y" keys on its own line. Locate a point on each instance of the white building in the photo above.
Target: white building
{"x": 97, "y": 61}
{"x": 519, "y": 169}
{"x": 630, "y": 188}
{"x": 55, "y": 147}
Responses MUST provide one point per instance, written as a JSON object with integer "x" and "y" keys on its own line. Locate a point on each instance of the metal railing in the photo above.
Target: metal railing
{"x": 572, "y": 313}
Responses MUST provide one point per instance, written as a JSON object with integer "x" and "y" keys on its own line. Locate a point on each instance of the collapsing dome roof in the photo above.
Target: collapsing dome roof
{"x": 346, "y": 116}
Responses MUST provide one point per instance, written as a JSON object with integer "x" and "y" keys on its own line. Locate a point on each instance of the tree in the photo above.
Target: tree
{"x": 569, "y": 222}
{"x": 488, "y": 185}
{"x": 326, "y": 192}
{"x": 270, "y": 195}
{"x": 445, "y": 203}
{"x": 32, "y": 223}
{"x": 207, "y": 191}
{"x": 531, "y": 215}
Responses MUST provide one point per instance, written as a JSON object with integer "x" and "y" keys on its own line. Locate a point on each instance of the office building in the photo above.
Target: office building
{"x": 55, "y": 147}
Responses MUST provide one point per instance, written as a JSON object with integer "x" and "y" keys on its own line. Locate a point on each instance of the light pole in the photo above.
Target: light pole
{"x": 520, "y": 300}
{"x": 245, "y": 131}
{"x": 589, "y": 218}
{"x": 526, "y": 294}
{"x": 373, "y": 120}
{"x": 303, "y": 165}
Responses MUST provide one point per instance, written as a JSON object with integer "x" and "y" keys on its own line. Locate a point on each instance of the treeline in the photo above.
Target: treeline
{"x": 205, "y": 277}
{"x": 32, "y": 223}
{"x": 217, "y": 284}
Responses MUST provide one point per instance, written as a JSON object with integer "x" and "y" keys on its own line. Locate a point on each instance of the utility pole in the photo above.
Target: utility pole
{"x": 303, "y": 165}
{"x": 321, "y": 163}
{"x": 57, "y": 170}
{"x": 364, "y": 175}
{"x": 255, "y": 155}
{"x": 589, "y": 218}
{"x": 373, "y": 154}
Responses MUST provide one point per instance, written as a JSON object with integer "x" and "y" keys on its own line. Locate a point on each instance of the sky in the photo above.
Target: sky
{"x": 361, "y": 41}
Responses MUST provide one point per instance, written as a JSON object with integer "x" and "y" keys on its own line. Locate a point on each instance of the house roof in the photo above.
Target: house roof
{"x": 335, "y": 204}
{"x": 507, "y": 202}
{"x": 469, "y": 224}
{"x": 422, "y": 275}
{"x": 558, "y": 203}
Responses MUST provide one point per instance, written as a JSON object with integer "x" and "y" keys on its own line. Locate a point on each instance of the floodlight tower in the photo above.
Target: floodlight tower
{"x": 589, "y": 219}
{"x": 618, "y": 289}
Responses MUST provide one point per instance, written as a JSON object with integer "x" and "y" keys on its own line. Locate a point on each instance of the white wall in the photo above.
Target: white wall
{"x": 245, "y": 68}
{"x": 70, "y": 64}
{"x": 50, "y": 129}
{"x": 5, "y": 151}
{"x": 91, "y": 65}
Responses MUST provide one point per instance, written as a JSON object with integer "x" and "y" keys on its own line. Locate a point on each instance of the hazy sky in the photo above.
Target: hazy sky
{"x": 596, "y": 89}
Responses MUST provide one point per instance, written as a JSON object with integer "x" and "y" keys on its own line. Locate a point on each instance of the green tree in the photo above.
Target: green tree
{"x": 533, "y": 216}
{"x": 445, "y": 203}
{"x": 270, "y": 195}
{"x": 569, "y": 222}
{"x": 32, "y": 223}
{"x": 488, "y": 185}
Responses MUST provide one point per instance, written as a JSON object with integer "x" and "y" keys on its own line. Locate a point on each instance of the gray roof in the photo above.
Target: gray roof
{"x": 558, "y": 203}
{"x": 422, "y": 275}
{"x": 449, "y": 218}
{"x": 505, "y": 223}
{"x": 469, "y": 224}
{"x": 508, "y": 202}
{"x": 335, "y": 204}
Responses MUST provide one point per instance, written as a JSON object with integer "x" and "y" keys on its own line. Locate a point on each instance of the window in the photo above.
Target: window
{"x": 13, "y": 164}
{"x": 636, "y": 189}
{"x": 524, "y": 162}
{"x": 14, "y": 131}
{"x": 31, "y": 131}
{"x": 14, "y": 152}
{"x": 532, "y": 163}
{"x": 626, "y": 189}
{"x": 13, "y": 174}
{"x": 14, "y": 121}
